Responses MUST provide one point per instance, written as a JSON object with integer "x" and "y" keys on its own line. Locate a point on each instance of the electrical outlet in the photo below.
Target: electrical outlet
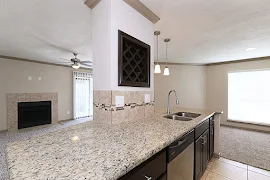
{"x": 29, "y": 78}
{"x": 39, "y": 78}
{"x": 147, "y": 98}
{"x": 119, "y": 101}
{"x": 68, "y": 112}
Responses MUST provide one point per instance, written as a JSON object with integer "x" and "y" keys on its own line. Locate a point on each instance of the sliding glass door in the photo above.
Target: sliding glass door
{"x": 83, "y": 94}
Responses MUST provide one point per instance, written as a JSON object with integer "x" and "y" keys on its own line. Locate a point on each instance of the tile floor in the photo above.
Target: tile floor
{"x": 225, "y": 169}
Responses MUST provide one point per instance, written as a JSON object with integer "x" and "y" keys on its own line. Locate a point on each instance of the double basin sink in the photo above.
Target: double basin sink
{"x": 182, "y": 116}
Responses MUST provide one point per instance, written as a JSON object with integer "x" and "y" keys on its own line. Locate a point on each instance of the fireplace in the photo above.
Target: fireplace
{"x": 34, "y": 114}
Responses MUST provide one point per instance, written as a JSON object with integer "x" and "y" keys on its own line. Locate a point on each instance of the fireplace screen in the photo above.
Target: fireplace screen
{"x": 34, "y": 113}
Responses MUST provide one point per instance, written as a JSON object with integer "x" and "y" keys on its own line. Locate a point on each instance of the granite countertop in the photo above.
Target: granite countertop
{"x": 95, "y": 151}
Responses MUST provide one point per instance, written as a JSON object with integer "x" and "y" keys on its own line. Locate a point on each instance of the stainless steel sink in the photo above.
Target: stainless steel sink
{"x": 182, "y": 116}
{"x": 187, "y": 114}
{"x": 179, "y": 118}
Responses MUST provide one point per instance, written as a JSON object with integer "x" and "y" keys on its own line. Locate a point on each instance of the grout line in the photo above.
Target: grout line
{"x": 217, "y": 159}
{"x": 247, "y": 172}
{"x": 235, "y": 165}
{"x": 259, "y": 172}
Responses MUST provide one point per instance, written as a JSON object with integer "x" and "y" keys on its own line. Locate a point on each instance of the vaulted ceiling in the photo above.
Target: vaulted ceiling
{"x": 45, "y": 30}
{"x": 201, "y": 31}
{"x": 208, "y": 31}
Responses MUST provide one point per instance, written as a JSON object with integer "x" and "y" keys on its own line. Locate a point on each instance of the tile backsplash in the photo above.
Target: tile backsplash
{"x": 134, "y": 109}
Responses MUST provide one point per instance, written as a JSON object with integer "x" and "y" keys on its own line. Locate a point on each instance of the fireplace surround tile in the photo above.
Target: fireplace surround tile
{"x": 14, "y": 98}
{"x": 35, "y": 97}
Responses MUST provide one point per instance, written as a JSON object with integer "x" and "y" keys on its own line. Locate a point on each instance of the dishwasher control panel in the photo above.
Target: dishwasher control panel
{"x": 179, "y": 145}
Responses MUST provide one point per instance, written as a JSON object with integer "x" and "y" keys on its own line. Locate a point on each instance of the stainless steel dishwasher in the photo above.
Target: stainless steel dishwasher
{"x": 180, "y": 158}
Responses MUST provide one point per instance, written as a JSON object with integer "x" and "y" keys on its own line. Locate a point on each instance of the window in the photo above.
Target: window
{"x": 249, "y": 96}
{"x": 83, "y": 94}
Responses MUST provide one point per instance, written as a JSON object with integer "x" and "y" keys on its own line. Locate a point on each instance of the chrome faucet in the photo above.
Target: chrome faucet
{"x": 168, "y": 105}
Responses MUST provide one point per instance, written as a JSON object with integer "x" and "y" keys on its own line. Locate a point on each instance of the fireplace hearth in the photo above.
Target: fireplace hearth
{"x": 34, "y": 113}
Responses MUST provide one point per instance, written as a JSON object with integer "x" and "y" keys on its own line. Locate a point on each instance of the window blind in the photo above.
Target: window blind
{"x": 249, "y": 96}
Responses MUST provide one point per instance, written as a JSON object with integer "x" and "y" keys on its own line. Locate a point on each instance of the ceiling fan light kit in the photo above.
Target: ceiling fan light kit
{"x": 76, "y": 66}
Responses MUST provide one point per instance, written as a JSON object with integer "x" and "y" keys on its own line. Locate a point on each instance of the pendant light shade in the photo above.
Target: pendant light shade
{"x": 157, "y": 66}
{"x": 166, "y": 70}
{"x": 157, "y": 69}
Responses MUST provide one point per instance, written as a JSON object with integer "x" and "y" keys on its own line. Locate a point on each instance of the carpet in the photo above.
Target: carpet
{"x": 245, "y": 146}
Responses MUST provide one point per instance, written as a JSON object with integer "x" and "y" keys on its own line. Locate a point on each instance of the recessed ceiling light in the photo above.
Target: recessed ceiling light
{"x": 250, "y": 49}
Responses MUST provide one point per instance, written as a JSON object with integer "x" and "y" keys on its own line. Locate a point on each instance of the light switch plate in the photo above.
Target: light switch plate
{"x": 119, "y": 101}
{"x": 147, "y": 98}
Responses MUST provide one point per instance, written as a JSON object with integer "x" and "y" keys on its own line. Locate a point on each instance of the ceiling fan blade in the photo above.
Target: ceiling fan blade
{"x": 86, "y": 61}
{"x": 63, "y": 62}
{"x": 87, "y": 65}
{"x": 65, "y": 59}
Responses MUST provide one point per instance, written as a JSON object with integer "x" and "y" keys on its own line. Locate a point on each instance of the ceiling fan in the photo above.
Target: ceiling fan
{"x": 76, "y": 63}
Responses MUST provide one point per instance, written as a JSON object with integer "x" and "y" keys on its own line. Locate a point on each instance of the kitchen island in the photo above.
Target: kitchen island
{"x": 96, "y": 151}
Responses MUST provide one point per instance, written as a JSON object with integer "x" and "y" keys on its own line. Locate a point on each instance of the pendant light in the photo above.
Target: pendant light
{"x": 157, "y": 66}
{"x": 166, "y": 70}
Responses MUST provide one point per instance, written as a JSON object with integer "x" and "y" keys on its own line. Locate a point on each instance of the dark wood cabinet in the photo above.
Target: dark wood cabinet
{"x": 163, "y": 177}
{"x": 201, "y": 128}
{"x": 154, "y": 169}
{"x": 211, "y": 138}
{"x": 198, "y": 158}
{"x": 201, "y": 154}
{"x": 205, "y": 150}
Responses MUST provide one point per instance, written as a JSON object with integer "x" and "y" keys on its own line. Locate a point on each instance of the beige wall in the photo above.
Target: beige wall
{"x": 189, "y": 83}
{"x": 14, "y": 79}
{"x": 217, "y": 88}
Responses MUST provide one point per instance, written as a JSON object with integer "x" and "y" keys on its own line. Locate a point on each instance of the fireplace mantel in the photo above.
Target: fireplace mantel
{"x": 14, "y": 98}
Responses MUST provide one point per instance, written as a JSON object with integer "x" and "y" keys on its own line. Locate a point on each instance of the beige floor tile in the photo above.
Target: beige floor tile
{"x": 258, "y": 170}
{"x": 212, "y": 160}
{"x": 210, "y": 163}
{"x": 204, "y": 175}
{"x": 214, "y": 176}
{"x": 256, "y": 176}
{"x": 241, "y": 165}
{"x": 208, "y": 168}
{"x": 229, "y": 171}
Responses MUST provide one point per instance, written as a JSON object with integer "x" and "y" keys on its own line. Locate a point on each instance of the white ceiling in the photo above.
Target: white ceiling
{"x": 45, "y": 30}
{"x": 201, "y": 31}
{"x": 208, "y": 31}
